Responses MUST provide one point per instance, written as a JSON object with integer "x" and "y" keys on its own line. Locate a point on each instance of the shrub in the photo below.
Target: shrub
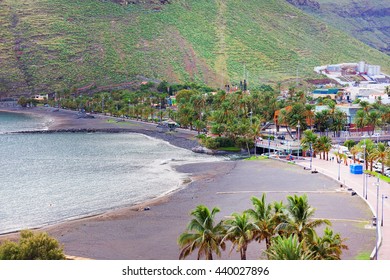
{"x": 32, "y": 246}
{"x": 211, "y": 143}
{"x": 224, "y": 142}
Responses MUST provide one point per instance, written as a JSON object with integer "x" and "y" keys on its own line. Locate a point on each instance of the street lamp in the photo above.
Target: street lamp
{"x": 383, "y": 198}
{"x": 311, "y": 156}
{"x": 364, "y": 166}
{"x": 299, "y": 143}
{"x": 339, "y": 162}
{"x": 377, "y": 215}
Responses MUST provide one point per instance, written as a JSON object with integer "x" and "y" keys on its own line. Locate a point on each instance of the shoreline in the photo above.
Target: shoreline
{"x": 66, "y": 121}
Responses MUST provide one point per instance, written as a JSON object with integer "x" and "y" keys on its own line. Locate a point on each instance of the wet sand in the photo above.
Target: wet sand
{"x": 131, "y": 233}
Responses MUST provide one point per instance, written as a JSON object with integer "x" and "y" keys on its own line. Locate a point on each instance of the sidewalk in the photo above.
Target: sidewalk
{"x": 355, "y": 182}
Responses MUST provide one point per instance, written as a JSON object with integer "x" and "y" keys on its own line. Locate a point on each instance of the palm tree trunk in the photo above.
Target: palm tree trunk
{"x": 243, "y": 253}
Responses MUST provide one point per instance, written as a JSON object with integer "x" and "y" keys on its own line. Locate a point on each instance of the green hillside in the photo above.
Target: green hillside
{"x": 50, "y": 45}
{"x": 368, "y": 21}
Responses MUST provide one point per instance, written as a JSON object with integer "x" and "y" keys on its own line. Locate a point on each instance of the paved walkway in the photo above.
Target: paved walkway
{"x": 331, "y": 169}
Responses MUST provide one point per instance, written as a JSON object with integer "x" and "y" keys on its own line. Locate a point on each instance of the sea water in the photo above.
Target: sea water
{"x": 49, "y": 178}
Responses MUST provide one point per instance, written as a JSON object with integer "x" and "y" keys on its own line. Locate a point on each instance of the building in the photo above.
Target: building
{"x": 325, "y": 92}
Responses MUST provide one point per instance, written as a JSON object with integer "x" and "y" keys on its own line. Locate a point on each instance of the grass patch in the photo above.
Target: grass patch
{"x": 229, "y": 149}
{"x": 363, "y": 256}
{"x": 257, "y": 158}
{"x": 378, "y": 175}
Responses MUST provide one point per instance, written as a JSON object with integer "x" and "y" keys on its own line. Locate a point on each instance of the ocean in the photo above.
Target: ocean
{"x": 50, "y": 178}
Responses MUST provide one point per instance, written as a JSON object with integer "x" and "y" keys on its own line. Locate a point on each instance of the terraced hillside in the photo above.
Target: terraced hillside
{"x": 50, "y": 45}
{"x": 368, "y": 21}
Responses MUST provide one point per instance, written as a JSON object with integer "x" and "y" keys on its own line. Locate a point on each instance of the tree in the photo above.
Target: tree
{"x": 349, "y": 144}
{"x": 354, "y": 151}
{"x": 299, "y": 217}
{"x": 288, "y": 248}
{"x": 263, "y": 218}
{"x": 39, "y": 246}
{"x": 328, "y": 247}
{"x": 308, "y": 140}
{"x": 380, "y": 152}
{"x": 202, "y": 234}
{"x": 374, "y": 119}
{"x": 360, "y": 119}
{"x": 240, "y": 232}
{"x": 324, "y": 144}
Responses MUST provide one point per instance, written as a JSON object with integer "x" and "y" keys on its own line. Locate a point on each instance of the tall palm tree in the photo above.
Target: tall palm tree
{"x": 360, "y": 119}
{"x": 349, "y": 144}
{"x": 324, "y": 143}
{"x": 264, "y": 219}
{"x": 300, "y": 217}
{"x": 308, "y": 140}
{"x": 288, "y": 248}
{"x": 381, "y": 152}
{"x": 240, "y": 232}
{"x": 374, "y": 119}
{"x": 328, "y": 247}
{"x": 203, "y": 234}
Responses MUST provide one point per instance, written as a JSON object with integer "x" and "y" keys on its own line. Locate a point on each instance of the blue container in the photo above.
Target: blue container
{"x": 356, "y": 169}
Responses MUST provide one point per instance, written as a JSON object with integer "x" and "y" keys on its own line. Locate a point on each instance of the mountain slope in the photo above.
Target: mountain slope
{"x": 368, "y": 21}
{"x": 51, "y": 45}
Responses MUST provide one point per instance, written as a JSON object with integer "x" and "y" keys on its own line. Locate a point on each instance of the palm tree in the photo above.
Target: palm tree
{"x": 263, "y": 218}
{"x": 360, "y": 119}
{"x": 308, "y": 140}
{"x": 374, "y": 119}
{"x": 328, "y": 247}
{"x": 202, "y": 234}
{"x": 324, "y": 144}
{"x": 288, "y": 248}
{"x": 299, "y": 217}
{"x": 240, "y": 232}
{"x": 354, "y": 151}
{"x": 349, "y": 144}
{"x": 380, "y": 153}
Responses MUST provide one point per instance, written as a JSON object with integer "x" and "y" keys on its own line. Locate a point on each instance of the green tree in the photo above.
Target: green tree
{"x": 39, "y": 246}
{"x": 288, "y": 248}
{"x": 202, "y": 234}
{"x": 300, "y": 217}
{"x": 349, "y": 144}
{"x": 263, "y": 218}
{"x": 381, "y": 152}
{"x": 240, "y": 231}
{"x": 328, "y": 247}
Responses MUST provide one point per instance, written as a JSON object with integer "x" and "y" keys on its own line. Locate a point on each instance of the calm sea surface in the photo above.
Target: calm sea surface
{"x": 48, "y": 178}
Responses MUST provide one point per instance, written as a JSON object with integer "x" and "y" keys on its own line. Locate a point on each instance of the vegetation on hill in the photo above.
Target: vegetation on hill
{"x": 51, "y": 45}
{"x": 368, "y": 21}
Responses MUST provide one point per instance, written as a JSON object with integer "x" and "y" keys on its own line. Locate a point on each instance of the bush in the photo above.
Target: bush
{"x": 32, "y": 246}
{"x": 224, "y": 142}
{"x": 211, "y": 143}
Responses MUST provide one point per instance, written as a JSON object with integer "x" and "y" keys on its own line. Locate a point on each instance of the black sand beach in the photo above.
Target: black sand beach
{"x": 132, "y": 234}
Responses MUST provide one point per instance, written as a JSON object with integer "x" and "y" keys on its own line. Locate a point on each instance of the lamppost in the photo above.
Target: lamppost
{"x": 299, "y": 143}
{"x": 269, "y": 145}
{"x": 311, "y": 156}
{"x": 383, "y": 198}
{"x": 364, "y": 166}
{"x": 377, "y": 215}
{"x": 339, "y": 162}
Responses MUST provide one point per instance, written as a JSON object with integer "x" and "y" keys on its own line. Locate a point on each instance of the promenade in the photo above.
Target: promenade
{"x": 354, "y": 181}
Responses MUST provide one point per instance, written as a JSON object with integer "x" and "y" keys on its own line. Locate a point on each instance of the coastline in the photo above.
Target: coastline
{"x": 132, "y": 233}
{"x": 63, "y": 120}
